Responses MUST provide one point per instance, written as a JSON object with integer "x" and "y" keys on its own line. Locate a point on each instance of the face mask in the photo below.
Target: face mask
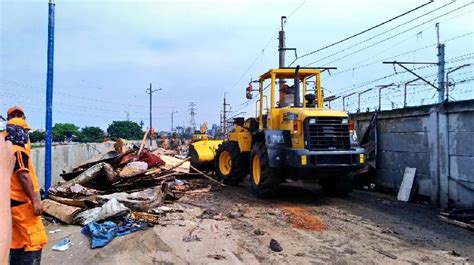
{"x": 17, "y": 135}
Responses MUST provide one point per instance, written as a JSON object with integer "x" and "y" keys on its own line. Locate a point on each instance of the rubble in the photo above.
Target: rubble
{"x": 63, "y": 212}
{"x": 112, "y": 194}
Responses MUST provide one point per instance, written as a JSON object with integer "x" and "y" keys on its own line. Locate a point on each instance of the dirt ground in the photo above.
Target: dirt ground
{"x": 365, "y": 228}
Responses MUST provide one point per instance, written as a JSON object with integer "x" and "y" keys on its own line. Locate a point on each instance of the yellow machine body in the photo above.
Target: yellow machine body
{"x": 205, "y": 151}
{"x": 278, "y": 119}
{"x": 199, "y": 137}
{"x": 242, "y": 136}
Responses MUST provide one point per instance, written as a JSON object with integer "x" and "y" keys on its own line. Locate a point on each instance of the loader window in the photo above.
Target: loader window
{"x": 287, "y": 96}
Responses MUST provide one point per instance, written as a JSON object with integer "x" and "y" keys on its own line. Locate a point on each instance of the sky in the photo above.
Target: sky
{"x": 108, "y": 52}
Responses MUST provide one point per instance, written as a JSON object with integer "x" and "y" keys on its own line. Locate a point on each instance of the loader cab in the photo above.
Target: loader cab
{"x": 285, "y": 89}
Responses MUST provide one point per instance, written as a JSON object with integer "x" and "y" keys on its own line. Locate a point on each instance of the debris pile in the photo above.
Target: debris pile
{"x": 122, "y": 191}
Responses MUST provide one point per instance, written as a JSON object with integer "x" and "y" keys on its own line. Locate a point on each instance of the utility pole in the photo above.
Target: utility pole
{"x": 172, "y": 114}
{"x": 49, "y": 98}
{"x": 224, "y": 117}
{"x": 150, "y": 91}
{"x": 192, "y": 113}
{"x": 281, "y": 47}
{"x": 221, "y": 125}
{"x": 128, "y": 115}
{"x": 441, "y": 64}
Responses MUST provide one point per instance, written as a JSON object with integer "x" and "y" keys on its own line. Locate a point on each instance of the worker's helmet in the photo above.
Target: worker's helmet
{"x": 17, "y": 131}
{"x": 15, "y": 110}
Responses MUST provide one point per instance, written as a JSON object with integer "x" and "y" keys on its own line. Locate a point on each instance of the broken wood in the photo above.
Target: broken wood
{"x": 81, "y": 203}
{"x": 172, "y": 160}
{"x": 63, "y": 212}
{"x": 390, "y": 255}
{"x": 206, "y": 176}
{"x": 199, "y": 191}
{"x": 146, "y": 217}
{"x": 456, "y": 222}
{"x": 143, "y": 143}
{"x": 90, "y": 174}
{"x": 170, "y": 169}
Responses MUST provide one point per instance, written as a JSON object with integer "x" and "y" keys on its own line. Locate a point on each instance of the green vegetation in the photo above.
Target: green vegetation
{"x": 91, "y": 134}
{"x": 63, "y": 132}
{"x": 125, "y": 129}
{"x": 67, "y": 132}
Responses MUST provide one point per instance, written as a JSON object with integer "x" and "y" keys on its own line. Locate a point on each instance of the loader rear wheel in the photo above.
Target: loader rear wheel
{"x": 264, "y": 180}
{"x": 230, "y": 164}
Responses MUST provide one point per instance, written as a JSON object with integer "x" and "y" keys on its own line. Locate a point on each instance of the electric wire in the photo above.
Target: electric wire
{"x": 383, "y": 40}
{"x": 364, "y": 31}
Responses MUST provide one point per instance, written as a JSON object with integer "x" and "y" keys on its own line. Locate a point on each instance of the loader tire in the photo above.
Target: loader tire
{"x": 339, "y": 186}
{"x": 230, "y": 164}
{"x": 264, "y": 180}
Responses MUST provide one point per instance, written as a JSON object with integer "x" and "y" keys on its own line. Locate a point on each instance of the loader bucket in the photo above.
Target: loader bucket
{"x": 202, "y": 153}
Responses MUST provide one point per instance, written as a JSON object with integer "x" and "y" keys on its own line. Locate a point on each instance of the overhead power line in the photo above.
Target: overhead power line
{"x": 359, "y": 66}
{"x": 364, "y": 31}
{"x": 252, "y": 64}
{"x": 383, "y": 40}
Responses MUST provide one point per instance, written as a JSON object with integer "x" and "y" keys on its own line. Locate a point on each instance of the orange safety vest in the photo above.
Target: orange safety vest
{"x": 17, "y": 192}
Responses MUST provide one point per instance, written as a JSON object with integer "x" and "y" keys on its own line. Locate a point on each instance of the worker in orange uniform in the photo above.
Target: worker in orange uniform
{"x": 28, "y": 232}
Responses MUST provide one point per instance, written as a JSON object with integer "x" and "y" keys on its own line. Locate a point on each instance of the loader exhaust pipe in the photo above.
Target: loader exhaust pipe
{"x": 297, "y": 87}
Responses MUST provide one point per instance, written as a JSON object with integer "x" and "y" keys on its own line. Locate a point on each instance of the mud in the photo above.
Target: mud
{"x": 365, "y": 228}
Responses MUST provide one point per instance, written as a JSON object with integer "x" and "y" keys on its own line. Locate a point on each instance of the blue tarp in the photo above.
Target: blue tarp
{"x": 101, "y": 234}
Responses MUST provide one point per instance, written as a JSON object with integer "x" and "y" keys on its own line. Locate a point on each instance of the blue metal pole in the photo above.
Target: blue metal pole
{"x": 49, "y": 99}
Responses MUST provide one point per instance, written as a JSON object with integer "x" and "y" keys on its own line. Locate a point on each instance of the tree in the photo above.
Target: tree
{"x": 37, "y": 136}
{"x": 125, "y": 129}
{"x": 90, "y": 134}
{"x": 65, "y": 132}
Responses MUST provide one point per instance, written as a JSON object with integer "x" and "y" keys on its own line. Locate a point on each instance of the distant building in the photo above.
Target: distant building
{"x": 179, "y": 130}
{"x": 213, "y": 131}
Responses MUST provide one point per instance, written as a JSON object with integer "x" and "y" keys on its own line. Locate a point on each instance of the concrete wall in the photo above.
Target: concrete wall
{"x": 438, "y": 140}
{"x": 66, "y": 157}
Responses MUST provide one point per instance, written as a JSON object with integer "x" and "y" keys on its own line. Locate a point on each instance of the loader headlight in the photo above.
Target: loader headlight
{"x": 312, "y": 121}
{"x": 345, "y": 121}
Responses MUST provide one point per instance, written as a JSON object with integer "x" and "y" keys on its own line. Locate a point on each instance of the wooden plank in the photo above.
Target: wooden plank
{"x": 407, "y": 183}
{"x": 456, "y": 222}
{"x": 206, "y": 176}
{"x": 63, "y": 212}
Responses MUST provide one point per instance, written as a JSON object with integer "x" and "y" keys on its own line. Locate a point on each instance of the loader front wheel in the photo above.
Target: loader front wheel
{"x": 230, "y": 164}
{"x": 264, "y": 180}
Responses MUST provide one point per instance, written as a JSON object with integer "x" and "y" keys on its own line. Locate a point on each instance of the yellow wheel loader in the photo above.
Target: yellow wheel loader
{"x": 294, "y": 138}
